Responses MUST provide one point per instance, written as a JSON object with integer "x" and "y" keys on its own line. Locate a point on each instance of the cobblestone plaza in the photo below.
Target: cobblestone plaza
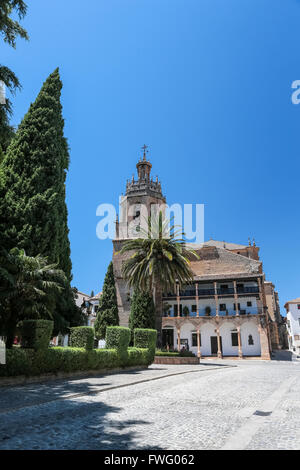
{"x": 215, "y": 405}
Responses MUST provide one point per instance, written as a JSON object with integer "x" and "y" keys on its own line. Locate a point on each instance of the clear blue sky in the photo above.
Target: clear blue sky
{"x": 206, "y": 84}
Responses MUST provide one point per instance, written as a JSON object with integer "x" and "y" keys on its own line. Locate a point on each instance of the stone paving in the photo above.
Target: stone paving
{"x": 249, "y": 405}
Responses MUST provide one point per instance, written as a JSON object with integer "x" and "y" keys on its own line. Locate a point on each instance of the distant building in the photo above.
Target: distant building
{"x": 278, "y": 324}
{"x": 229, "y": 309}
{"x": 293, "y": 324}
{"x": 89, "y": 306}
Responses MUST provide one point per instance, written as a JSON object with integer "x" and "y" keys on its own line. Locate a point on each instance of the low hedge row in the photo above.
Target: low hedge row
{"x": 34, "y": 362}
{"x": 31, "y": 363}
{"x": 174, "y": 353}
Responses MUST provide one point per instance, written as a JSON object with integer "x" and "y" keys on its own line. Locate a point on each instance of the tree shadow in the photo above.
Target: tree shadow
{"x": 19, "y": 396}
{"x": 70, "y": 424}
{"x": 282, "y": 355}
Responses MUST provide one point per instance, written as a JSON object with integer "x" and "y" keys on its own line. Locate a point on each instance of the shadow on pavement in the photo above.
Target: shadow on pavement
{"x": 38, "y": 393}
{"x": 282, "y": 355}
{"x": 69, "y": 424}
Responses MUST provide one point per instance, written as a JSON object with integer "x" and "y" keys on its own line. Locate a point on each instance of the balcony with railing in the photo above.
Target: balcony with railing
{"x": 188, "y": 293}
{"x": 248, "y": 290}
{"x": 206, "y": 292}
{"x": 226, "y": 313}
{"x": 227, "y": 291}
{"x": 210, "y": 292}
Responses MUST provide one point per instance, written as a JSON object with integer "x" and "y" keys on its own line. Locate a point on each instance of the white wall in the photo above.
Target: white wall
{"x": 208, "y": 329}
{"x": 293, "y": 318}
{"x": 247, "y": 329}
{"x": 225, "y": 332}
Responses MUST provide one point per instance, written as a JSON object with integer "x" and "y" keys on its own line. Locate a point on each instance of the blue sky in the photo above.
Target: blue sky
{"x": 206, "y": 84}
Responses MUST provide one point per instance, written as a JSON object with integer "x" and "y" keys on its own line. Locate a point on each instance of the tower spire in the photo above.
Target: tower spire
{"x": 144, "y": 166}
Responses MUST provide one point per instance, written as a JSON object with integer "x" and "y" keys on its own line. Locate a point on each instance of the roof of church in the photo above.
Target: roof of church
{"x": 219, "y": 244}
{"x": 215, "y": 261}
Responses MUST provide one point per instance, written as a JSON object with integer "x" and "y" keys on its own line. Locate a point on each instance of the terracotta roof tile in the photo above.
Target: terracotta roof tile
{"x": 216, "y": 261}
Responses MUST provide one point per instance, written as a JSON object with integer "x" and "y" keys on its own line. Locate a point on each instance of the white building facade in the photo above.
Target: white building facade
{"x": 293, "y": 325}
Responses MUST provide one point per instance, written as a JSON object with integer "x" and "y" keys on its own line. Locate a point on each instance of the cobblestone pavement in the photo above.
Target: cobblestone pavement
{"x": 248, "y": 405}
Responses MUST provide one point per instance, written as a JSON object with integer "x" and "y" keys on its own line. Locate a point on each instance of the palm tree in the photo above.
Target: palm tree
{"x": 28, "y": 287}
{"x": 159, "y": 260}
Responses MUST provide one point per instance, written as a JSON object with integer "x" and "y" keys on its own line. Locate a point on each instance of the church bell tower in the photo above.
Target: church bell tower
{"x": 142, "y": 197}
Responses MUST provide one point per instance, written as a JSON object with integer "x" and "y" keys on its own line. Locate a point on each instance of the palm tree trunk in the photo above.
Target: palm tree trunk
{"x": 157, "y": 295}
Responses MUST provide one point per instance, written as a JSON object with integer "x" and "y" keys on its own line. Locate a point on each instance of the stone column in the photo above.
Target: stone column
{"x": 236, "y": 299}
{"x": 216, "y": 298}
{"x": 197, "y": 299}
{"x": 240, "y": 342}
{"x": 178, "y": 339}
{"x": 219, "y": 344}
{"x": 198, "y": 343}
{"x": 264, "y": 342}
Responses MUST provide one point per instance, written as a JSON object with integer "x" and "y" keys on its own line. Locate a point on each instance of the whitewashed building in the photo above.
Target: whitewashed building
{"x": 223, "y": 312}
{"x": 293, "y": 324}
{"x": 89, "y": 306}
{"x": 229, "y": 310}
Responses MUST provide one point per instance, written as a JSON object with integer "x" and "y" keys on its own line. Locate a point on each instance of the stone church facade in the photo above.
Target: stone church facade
{"x": 229, "y": 310}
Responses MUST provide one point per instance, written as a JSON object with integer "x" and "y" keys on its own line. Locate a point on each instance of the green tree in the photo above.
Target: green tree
{"x": 142, "y": 312}
{"x": 10, "y": 30}
{"x": 33, "y": 212}
{"x": 29, "y": 287}
{"x": 34, "y": 167}
{"x": 159, "y": 260}
{"x": 107, "y": 314}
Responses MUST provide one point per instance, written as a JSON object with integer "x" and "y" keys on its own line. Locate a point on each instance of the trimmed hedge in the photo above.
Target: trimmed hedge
{"x": 174, "y": 353}
{"x": 167, "y": 353}
{"x": 82, "y": 337}
{"x": 138, "y": 356}
{"x": 146, "y": 339}
{"x": 118, "y": 337}
{"x": 30, "y": 362}
{"x": 35, "y": 334}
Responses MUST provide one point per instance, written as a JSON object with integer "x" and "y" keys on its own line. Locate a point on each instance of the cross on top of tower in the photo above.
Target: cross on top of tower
{"x": 145, "y": 150}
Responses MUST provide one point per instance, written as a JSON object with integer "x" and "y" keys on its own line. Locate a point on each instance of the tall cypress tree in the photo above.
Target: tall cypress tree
{"x": 33, "y": 212}
{"x": 108, "y": 307}
{"x": 142, "y": 312}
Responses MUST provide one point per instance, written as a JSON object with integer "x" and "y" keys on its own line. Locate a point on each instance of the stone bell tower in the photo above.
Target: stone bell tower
{"x": 142, "y": 197}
